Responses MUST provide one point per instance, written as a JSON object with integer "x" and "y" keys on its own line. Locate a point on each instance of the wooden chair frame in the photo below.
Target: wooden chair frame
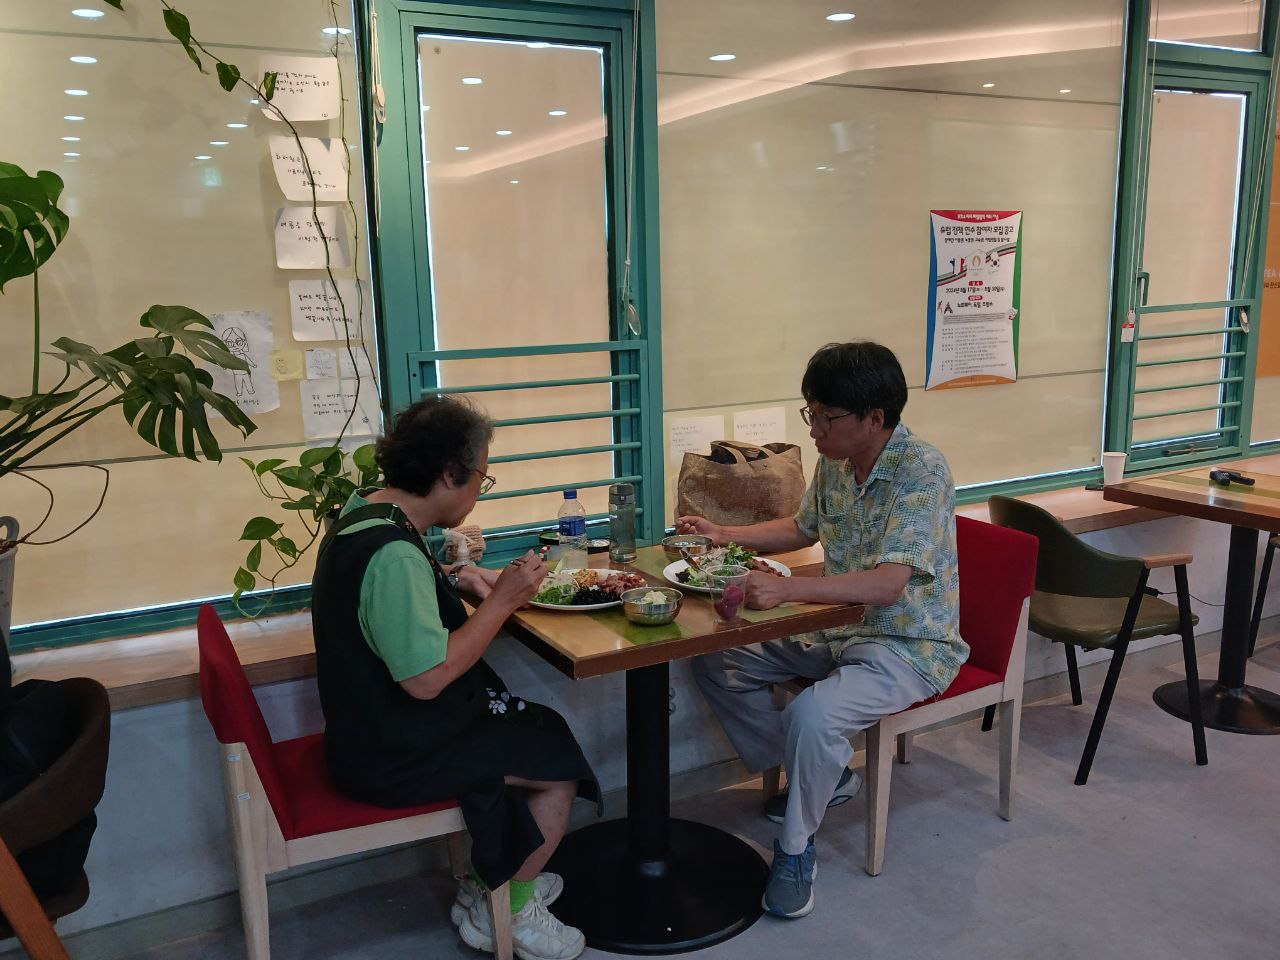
{"x": 1006, "y": 696}
{"x": 261, "y": 849}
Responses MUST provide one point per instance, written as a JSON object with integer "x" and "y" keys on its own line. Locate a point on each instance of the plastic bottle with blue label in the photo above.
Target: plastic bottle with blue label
{"x": 573, "y": 532}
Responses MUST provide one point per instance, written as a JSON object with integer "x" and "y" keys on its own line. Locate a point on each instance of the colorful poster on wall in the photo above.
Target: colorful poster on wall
{"x": 974, "y": 275}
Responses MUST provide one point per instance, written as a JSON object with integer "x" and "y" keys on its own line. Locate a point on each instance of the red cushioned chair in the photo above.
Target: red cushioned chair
{"x": 997, "y": 578}
{"x": 284, "y": 808}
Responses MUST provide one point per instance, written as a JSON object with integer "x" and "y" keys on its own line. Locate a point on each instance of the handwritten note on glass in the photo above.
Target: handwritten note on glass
{"x": 286, "y": 364}
{"x": 247, "y": 334}
{"x": 307, "y": 88}
{"x": 322, "y": 364}
{"x": 766, "y": 425}
{"x": 693, "y": 435}
{"x": 325, "y": 167}
{"x": 314, "y": 307}
{"x": 327, "y": 403}
{"x": 299, "y": 244}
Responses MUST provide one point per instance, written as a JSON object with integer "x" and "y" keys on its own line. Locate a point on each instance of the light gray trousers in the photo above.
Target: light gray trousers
{"x": 810, "y": 738}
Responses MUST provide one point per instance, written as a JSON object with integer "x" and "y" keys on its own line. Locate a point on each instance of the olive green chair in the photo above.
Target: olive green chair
{"x": 1095, "y": 600}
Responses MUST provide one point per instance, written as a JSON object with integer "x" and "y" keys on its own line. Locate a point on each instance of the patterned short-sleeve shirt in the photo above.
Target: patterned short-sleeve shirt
{"x": 903, "y": 513}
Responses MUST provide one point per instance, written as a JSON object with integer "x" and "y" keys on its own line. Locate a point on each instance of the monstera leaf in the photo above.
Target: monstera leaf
{"x": 31, "y": 225}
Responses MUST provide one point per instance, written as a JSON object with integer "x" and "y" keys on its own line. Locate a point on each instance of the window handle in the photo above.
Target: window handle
{"x": 1144, "y": 285}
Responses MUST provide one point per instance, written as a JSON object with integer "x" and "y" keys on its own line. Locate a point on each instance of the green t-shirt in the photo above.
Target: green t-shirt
{"x": 399, "y": 615}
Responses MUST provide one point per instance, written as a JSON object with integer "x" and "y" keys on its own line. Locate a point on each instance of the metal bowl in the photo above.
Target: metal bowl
{"x": 651, "y": 614}
{"x": 696, "y": 544}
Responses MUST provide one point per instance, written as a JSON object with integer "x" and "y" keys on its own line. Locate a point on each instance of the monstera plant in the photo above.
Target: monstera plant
{"x": 156, "y": 380}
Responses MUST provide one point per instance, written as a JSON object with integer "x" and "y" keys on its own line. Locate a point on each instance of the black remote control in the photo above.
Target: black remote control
{"x": 1228, "y": 477}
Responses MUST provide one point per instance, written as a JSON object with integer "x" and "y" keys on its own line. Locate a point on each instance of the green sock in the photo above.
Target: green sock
{"x": 521, "y": 894}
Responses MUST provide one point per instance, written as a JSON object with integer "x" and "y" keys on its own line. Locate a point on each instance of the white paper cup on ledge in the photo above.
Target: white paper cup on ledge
{"x": 1113, "y": 468}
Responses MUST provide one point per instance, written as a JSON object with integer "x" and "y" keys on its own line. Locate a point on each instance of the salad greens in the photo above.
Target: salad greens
{"x": 730, "y": 556}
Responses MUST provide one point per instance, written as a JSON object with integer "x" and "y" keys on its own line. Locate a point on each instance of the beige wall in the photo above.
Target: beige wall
{"x": 149, "y": 225}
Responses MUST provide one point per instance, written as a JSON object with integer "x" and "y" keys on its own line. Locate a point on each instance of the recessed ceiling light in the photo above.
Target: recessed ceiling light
{"x": 462, "y": 149}
{"x": 538, "y": 45}
{"x": 557, "y": 113}
{"x": 987, "y": 86}
{"x": 72, "y": 116}
{"x": 513, "y": 181}
{"x": 839, "y": 17}
{"x": 71, "y": 139}
{"x": 71, "y": 154}
{"x": 236, "y": 126}
{"x": 203, "y": 156}
{"x": 503, "y": 133}
{"x": 723, "y": 56}
{"x": 88, "y": 13}
{"x": 84, "y": 59}
{"x": 76, "y": 93}
{"x": 336, "y": 31}
{"x": 218, "y": 143}
{"x": 472, "y": 81}
{"x": 1065, "y": 90}
{"x": 254, "y": 101}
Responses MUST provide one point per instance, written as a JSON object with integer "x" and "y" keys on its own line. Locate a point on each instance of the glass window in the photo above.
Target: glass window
{"x": 797, "y": 180}
{"x": 1226, "y": 23}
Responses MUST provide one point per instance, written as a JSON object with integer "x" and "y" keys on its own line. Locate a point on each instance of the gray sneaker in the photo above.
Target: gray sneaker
{"x": 789, "y": 892}
{"x": 775, "y": 808}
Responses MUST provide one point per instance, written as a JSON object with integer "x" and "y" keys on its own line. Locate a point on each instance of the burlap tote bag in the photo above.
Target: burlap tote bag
{"x": 740, "y": 483}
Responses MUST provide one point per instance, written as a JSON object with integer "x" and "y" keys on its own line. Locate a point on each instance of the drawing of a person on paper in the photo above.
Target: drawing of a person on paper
{"x": 238, "y": 344}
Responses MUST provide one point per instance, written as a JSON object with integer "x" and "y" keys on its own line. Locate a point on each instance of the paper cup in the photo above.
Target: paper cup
{"x": 1113, "y": 468}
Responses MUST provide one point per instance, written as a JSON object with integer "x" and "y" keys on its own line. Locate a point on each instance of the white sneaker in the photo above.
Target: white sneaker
{"x": 546, "y": 887}
{"x": 535, "y": 933}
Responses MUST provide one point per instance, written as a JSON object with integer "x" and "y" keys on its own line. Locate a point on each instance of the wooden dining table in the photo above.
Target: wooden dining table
{"x": 1227, "y": 703}
{"x": 649, "y": 883}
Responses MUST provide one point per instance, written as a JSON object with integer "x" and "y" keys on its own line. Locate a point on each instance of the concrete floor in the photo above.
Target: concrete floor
{"x": 1154, "y": 858}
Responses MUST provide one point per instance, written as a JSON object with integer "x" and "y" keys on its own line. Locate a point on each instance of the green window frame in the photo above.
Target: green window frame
{"x": 412, "y": 357}
{"x": 1153, "y": 64}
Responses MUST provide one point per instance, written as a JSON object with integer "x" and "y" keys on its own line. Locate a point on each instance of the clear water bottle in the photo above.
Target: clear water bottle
{"x": 622, "y": 522}
{"x": 573, "y": 532}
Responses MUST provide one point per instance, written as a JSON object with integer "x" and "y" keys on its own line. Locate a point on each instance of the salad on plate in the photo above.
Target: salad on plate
{"x": 580, "y": 588}
{"x": 730, "y": 556}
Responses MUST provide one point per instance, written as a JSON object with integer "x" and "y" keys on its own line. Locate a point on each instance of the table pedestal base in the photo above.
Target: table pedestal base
{"x": 705, "y": 890}
{"x": 1235, "y": 710}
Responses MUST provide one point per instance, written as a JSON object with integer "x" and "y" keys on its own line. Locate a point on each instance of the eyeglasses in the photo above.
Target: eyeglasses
{"x": 486, "y": 483}
{"x": 819, "y": 420}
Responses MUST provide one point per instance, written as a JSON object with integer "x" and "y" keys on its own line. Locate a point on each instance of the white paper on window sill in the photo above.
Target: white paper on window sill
{"x": 248, "y": 335}
{"x": 326, "y": 404}
{"x": 766, "y": 425}
{"x": 326, "y": 159}
{"x": 299, "y": 245}
{"x": 693, "y": 435}
{"x": 316, "y": 313}
{"x": 307, "y": 88}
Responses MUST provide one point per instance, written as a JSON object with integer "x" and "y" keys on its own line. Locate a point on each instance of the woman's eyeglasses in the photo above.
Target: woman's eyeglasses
{"x": 486, "y": 482}
{"x": 819, "y": 420}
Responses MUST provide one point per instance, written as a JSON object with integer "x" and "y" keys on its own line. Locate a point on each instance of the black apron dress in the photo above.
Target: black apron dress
{"x": 391, "y": 749}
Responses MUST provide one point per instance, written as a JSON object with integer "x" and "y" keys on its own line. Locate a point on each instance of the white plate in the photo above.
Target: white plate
{"x": 671, "y": 569}
{"x": 575, "y": 608}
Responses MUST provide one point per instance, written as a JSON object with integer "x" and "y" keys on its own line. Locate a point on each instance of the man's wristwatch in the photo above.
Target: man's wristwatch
{"x": 453, "y": 577}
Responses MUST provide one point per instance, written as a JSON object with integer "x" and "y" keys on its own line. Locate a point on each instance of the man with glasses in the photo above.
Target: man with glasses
{"x": 882, "y": 504}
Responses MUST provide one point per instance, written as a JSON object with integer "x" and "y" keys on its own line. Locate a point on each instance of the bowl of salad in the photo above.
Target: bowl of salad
{"x": 584, "y": 589}
{"x": 651, "y": 606}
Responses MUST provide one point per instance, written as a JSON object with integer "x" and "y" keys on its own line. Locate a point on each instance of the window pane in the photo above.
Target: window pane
{"x": 515, "y": 191}
{"x": 1266, "y": 398}
{"x": 1225, "y": 23}
{"x": 797, "y": 181}
{"x": 1192, "y": 189}
{"x": 151, "y": 224}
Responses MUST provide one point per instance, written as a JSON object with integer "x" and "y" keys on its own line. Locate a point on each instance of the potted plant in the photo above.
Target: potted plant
{"x": 155, "y": 380}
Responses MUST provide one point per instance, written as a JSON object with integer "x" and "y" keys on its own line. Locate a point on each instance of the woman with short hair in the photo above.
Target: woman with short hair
{"x": 413, "y": 713}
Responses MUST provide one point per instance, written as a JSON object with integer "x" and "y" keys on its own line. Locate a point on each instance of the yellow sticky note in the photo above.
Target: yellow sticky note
{"x": 287, "y": 364}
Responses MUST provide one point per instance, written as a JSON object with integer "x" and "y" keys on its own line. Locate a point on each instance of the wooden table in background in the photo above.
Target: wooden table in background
{"x": 1227, "y": 703}
{"x": 648, "y": 883}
